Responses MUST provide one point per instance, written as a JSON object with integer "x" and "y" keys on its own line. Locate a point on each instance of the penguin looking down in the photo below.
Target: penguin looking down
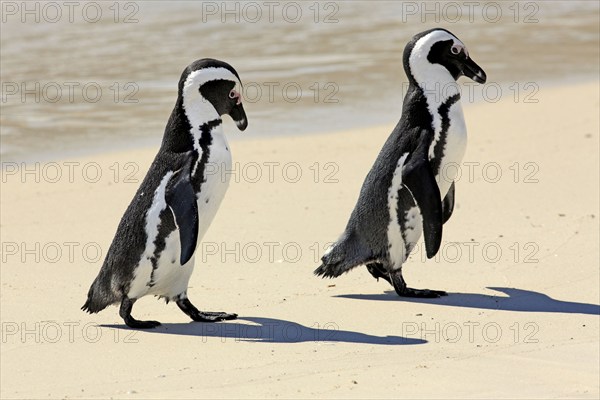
{"x": 409, "y": 190}
{"x": 152, "y": 252}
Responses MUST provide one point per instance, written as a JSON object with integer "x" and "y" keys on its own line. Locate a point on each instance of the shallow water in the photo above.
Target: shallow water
{"x": 104, "y": 76}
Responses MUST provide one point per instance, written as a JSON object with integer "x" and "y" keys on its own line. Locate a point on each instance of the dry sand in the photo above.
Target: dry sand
{"x": 521, "y": 324}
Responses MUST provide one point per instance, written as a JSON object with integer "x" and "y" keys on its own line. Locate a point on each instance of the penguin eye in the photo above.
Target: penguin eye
{"x": 232, "y": 94}
{"x": 455, "y": 49}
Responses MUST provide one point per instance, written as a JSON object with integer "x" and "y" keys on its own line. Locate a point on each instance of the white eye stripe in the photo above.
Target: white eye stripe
{"x": 200, "y": 77}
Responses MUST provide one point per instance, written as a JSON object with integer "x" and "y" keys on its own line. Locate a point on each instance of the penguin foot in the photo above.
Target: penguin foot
{"x": 203, "y": 316}
{"x": 125, "y": 313}
{"x": 136, "y": 324}
{"x": 403, "y": 291}
{"x": 208, "y": 316}
{"x": 423, "y": 293}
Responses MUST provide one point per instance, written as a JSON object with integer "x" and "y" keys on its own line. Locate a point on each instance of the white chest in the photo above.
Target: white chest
{"x": 218, "y": 171}
{"x": 455, "y": 144}
{"x": 454, "y": 150}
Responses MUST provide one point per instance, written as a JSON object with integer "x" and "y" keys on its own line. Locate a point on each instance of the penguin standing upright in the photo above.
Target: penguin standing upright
{"x": 401, "y": 196}
{"x": 152, "y": 252}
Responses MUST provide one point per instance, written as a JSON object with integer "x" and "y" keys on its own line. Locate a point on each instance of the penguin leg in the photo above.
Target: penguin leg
{"x": 202, "y": 316}
{"x": 404, "y": 291}
{"x": 378, "y": 271}
{"x": 125, "y": 313}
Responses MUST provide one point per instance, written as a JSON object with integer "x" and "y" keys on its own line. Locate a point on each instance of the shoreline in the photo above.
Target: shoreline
{"x": 233, "y": 135}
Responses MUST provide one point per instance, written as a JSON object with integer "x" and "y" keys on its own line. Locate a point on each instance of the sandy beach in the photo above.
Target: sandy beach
{"x": 519, "y": 259}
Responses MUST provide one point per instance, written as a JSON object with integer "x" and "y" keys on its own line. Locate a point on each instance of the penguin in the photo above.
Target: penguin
{"x": 153, "y": 250}
{"x": 409, "y": 191}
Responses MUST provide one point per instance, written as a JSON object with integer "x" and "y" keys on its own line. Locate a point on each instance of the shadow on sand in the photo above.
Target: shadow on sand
{"x": 517, "y": 300}
{"x": 270, "y": 330}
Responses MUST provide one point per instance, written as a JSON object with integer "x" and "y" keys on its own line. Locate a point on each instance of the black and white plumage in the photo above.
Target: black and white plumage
{"x": 401, "y": 196}
{"x": 152, "y": 252}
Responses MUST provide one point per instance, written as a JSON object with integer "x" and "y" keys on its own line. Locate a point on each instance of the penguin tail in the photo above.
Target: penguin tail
{"x": 90, "y": 308}
{"x": 98, "y": 298}
{"x": 344, "y": 255}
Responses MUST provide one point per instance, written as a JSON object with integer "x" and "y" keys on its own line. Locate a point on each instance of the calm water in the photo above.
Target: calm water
{"x": 104, "y": 75}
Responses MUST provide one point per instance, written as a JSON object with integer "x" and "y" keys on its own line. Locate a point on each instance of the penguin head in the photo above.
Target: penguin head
{"x": 438, "y": 52}
{"x": 212, "y": 83}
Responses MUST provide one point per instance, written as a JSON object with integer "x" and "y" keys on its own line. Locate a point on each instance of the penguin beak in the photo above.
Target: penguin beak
{"x": 471, "y": 70}
{"x": 238, "y": 115}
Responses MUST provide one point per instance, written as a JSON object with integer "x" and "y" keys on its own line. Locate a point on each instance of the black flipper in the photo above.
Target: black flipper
{"x": 181, "y": 198}
{"x": 448, "y": 205}
{"x": 418, "y": 178}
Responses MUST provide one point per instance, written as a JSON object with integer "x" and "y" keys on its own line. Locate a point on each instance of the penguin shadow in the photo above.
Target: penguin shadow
{"x": 517, "y": 300}
{"x": 270, "y": 330}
